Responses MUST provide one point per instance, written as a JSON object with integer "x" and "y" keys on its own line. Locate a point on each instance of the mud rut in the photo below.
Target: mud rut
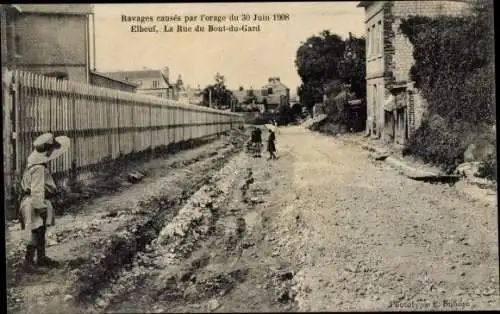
{"x": 205, "y": 258}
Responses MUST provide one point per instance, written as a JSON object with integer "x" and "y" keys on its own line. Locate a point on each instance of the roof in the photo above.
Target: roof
{"x": 364, "y": 4}
{"x": 135, "y": 74}
{"x": 79, "y": 9}
{"x": 114, "y": 79}
{"x": 275, "y": 84}
{"x": 138, "y": 75}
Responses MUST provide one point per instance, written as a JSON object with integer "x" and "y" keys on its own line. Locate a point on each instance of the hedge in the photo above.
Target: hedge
{"x": 454, "y": 69}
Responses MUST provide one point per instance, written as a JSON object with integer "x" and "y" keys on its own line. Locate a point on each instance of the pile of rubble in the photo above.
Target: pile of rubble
{"x": 314, "y": 122}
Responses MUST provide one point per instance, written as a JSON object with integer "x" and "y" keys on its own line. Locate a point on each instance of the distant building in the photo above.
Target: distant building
{"x": 394, "y": 107}
{"x": 240, "y": 95}
{"x": 193, "y": 95}
{"x": 273, "y": 94}
{"x": 151, "y": 82}
{"x": 106, "y": 81}
{"x": 48, "y": 39}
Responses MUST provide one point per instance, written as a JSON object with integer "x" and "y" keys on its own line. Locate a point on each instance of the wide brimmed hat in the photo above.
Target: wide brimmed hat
{"x": 270, "y": 127}
{"x": 47, "y": 148}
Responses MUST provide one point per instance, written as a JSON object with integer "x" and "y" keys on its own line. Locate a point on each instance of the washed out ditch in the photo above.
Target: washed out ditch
{"x": 104, "y": 258}
{"x": 167, "y": 270}
{"x": 136, "y": 236}
{"x": 206, "y": 258}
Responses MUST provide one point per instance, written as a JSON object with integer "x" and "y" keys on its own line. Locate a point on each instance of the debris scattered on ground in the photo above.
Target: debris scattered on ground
{"x": 213, "y": 304}
{"x": 440, "y": 178}
{"x": 380, "y": 156}
{"x": 282, "y": 282}
{"x": 311, "y": 123}
{"x": 135, "y": 177}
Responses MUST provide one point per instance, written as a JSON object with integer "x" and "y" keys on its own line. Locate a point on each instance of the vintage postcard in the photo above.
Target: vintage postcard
{"x": 256, "y": 157}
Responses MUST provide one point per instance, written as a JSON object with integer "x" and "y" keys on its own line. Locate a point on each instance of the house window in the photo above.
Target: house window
{"x": 380, "y": 38}
{"x": 368, "y": 42}
{"x": 375, "y": 108}
{"x": 270, "y": 91}
{"x": 374, "y": 40}
{"x": 156, "y": 84}
{"x": 139, "y": 83}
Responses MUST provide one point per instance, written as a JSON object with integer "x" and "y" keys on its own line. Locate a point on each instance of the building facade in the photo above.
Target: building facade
{"x": 395, "y": 108}
{"x": 195, "y": 95}
{"x": 150, "y": 82}
{"x": 241, "y": 95}
{"x": 51, "y": 38}
{"x": 273, "y": 94}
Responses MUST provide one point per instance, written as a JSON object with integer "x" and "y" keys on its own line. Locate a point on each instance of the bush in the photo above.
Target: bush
{"x": 454, "y": 69}
{"x": 488, "y": 170}
{"x": 440, "y": 146}
{"x": 260, "y": 118}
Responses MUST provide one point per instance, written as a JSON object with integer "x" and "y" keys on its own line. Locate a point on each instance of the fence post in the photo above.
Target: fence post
{"x": 108, "y": 103}
{"x": 8, "y": 150}
{"x": 151, "y": 153}
{"x": 73, "y": 175}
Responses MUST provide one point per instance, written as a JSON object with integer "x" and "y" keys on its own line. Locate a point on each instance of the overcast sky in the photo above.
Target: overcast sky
{"x": 246, "y": 59}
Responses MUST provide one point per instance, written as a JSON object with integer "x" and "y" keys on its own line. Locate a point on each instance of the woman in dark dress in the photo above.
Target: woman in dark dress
{"x": 271, "y": 147}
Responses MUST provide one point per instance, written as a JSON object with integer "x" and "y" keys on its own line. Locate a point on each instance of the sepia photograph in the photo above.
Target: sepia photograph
{"x": 205, "y": 157}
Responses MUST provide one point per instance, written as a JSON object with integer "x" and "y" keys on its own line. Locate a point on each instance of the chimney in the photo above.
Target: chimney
{"x": 166, "y": 73}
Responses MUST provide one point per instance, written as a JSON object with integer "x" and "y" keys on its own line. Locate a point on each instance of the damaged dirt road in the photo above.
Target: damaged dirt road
{"x": 322, "y": 228}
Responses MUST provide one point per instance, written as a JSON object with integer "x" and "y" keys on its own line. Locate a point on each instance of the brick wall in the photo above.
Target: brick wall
{"x": 75, "y": 73}
{"x": 47, "y": 42}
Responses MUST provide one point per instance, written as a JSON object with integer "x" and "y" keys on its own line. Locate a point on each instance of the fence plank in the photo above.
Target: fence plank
{"x": 100, "y": 122}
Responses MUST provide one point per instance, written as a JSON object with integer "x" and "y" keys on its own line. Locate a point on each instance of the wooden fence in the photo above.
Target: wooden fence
{"x": 102, "y": 123}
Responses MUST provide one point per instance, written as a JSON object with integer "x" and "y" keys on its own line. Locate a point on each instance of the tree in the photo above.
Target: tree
{"x": 217, "y": 94}
{"x": 318, "y": 61}
{"x": 296, "y": 110}
{"x": 325, "y": 61}
{"x": 250, "y": 96}
{"x": 285, "y": 114}
{"x": 353, "y": 66}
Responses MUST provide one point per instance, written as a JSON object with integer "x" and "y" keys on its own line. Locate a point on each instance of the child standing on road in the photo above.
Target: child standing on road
{"x": 257, "y": 142}
{"x": 271, "y": 147}
{"x": 37, "y": 186}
